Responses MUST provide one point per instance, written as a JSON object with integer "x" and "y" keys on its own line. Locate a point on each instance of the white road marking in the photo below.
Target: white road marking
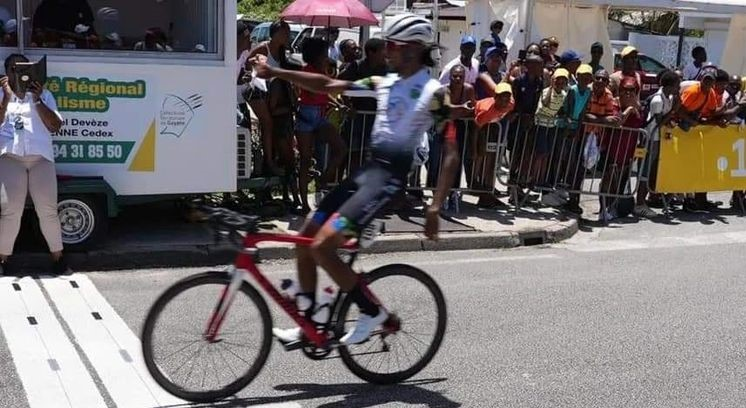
{"x": 46, "y": 361}
{"x": 723, "y": 238}
{"x": 485, "y": 260}
{"x": 128, "y": 382}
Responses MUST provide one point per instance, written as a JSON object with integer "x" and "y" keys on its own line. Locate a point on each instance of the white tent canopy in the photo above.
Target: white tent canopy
{"x": 579, "y": 23}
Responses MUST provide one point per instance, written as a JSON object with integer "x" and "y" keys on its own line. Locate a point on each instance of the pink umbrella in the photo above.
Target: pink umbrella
{"x": 329, "y": 13}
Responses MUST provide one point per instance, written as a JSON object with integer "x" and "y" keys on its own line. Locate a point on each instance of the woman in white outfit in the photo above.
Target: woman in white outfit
{"x": 27, "y": 164}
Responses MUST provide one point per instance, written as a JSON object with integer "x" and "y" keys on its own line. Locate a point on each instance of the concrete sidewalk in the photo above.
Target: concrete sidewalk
{"x": 158, "y": 236}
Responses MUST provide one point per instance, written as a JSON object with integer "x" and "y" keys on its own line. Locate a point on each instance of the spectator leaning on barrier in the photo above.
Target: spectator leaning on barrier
{"x": 597, "y": 52}
{"x": 662, "y": 110}
{"x": 461, "y": 94}
{"x": 547, "y": 114}
{"x": 487, "y": 111}
{"x": 603, "y": 109}
{"x": 570, "y": 147}
{"x": 699, "y": 105}
{"x": 527, "y": 89}
{"x": 27, "y": 164}
{"x": 620, "y": 150}
{"x": 468, "y": 49}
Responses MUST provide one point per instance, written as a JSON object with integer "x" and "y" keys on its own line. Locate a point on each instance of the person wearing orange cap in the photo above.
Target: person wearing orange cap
{"x": 486, "y": 111}
{"x": 629, "y": 69}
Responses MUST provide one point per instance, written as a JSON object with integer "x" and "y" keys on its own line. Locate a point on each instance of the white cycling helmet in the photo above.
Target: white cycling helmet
{"x": 409, "y": 27}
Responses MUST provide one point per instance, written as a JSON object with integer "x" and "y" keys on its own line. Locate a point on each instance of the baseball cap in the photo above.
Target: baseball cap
{"x": 467, "y": 39}
{"x": 584, "y": 69}
{"x": 10, "y": 26}
{"x": 503, "y": 87}
{"x": 628, "y": 50}
{"x": 570, "y": 56}
{"x": 492, "y": 51}
{"x": 561, "y": 73}
{"x": 708, "y": 73}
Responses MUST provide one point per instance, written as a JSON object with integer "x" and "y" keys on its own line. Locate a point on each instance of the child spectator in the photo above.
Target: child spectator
{"x": 568, "y": 150}
{"x": 551, "y": 102}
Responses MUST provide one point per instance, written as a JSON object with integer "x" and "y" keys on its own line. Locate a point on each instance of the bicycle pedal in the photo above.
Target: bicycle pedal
{"x": 291, "y": 346}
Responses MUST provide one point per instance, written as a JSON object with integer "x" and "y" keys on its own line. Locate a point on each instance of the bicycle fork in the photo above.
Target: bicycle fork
{"x": 221, "y": 309}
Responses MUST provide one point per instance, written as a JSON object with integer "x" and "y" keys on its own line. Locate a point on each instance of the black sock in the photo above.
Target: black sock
{"x": 363, "y": 302}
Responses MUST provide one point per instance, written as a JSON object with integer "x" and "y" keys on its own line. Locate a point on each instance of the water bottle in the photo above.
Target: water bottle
{"x": 324, "y": 310}
{"x": 291, "y": 289}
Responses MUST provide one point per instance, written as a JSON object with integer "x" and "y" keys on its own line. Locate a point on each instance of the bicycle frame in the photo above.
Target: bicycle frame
{"x": 244, "y": 265}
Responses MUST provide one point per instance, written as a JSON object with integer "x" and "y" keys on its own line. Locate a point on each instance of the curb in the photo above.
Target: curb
{"x": 185, "y": 255}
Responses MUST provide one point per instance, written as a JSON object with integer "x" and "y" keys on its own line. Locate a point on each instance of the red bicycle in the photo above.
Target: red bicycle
{"x": 208, "y": 336}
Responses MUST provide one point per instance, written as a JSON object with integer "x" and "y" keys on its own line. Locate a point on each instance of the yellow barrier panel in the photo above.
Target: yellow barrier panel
{"x": 706, "y": 158}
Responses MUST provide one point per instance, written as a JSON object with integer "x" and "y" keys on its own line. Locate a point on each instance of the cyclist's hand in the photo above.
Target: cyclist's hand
{"x": 432, "y": 223}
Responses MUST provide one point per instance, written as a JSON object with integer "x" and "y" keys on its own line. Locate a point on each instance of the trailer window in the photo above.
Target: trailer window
{"x": 163, "y": 26}
{"x": 8, "y": 23}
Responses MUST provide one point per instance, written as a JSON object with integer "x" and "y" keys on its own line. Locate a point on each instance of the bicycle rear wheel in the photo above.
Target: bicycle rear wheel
{"x": 411, "y": 336}
{"x": 179, "y": 357}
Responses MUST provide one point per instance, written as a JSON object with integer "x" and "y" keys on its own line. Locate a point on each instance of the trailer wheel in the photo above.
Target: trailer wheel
{"x": 83, "y": 221}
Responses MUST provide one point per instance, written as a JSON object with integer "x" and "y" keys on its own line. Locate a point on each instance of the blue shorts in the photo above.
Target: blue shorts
{"x": 310, "y": 118}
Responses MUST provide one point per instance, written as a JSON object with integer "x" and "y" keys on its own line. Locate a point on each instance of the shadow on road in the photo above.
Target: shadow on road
{"x": 359, "y": 395}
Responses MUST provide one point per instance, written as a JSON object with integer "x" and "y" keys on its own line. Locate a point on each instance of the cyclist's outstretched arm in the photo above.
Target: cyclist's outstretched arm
{"x": 310, "y": 81}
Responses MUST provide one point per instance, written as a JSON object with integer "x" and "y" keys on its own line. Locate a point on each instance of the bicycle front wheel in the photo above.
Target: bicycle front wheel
{"x": 410, "y": 338}
{"x": 183, "y": 361}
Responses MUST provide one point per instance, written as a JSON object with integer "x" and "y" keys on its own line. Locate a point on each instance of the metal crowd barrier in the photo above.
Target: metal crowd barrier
{"x": 478, "y": 149}
{"x": 595, "y": 159}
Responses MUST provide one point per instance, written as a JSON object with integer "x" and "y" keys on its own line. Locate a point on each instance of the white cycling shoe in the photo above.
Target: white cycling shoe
{"x": 364, "y": 326}
{"x": 288, "y": 335}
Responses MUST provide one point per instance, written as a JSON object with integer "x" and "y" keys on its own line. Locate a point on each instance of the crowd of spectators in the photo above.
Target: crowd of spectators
{"x": 550, "y": 102}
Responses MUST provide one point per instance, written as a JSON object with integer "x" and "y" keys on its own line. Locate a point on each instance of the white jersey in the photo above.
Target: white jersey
{"x": 407, "y": 109}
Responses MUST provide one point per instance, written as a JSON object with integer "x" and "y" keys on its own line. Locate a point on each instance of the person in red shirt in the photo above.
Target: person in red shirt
{"x": 311, "y": 122}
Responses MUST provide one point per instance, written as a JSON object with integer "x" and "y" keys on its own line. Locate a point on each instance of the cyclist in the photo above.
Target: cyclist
{"x": 410, "y": 103}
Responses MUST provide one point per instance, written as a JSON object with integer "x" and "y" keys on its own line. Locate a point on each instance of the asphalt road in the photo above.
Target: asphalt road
{"x": 648, "y": 315}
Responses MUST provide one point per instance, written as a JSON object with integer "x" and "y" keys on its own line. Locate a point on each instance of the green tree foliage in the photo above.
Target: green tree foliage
{"x": 654, "y": 21}
{"x": 265, "y": 10}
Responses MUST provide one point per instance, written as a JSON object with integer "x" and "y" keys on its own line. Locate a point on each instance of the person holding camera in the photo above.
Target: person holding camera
{"x": 30, "y": 117}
